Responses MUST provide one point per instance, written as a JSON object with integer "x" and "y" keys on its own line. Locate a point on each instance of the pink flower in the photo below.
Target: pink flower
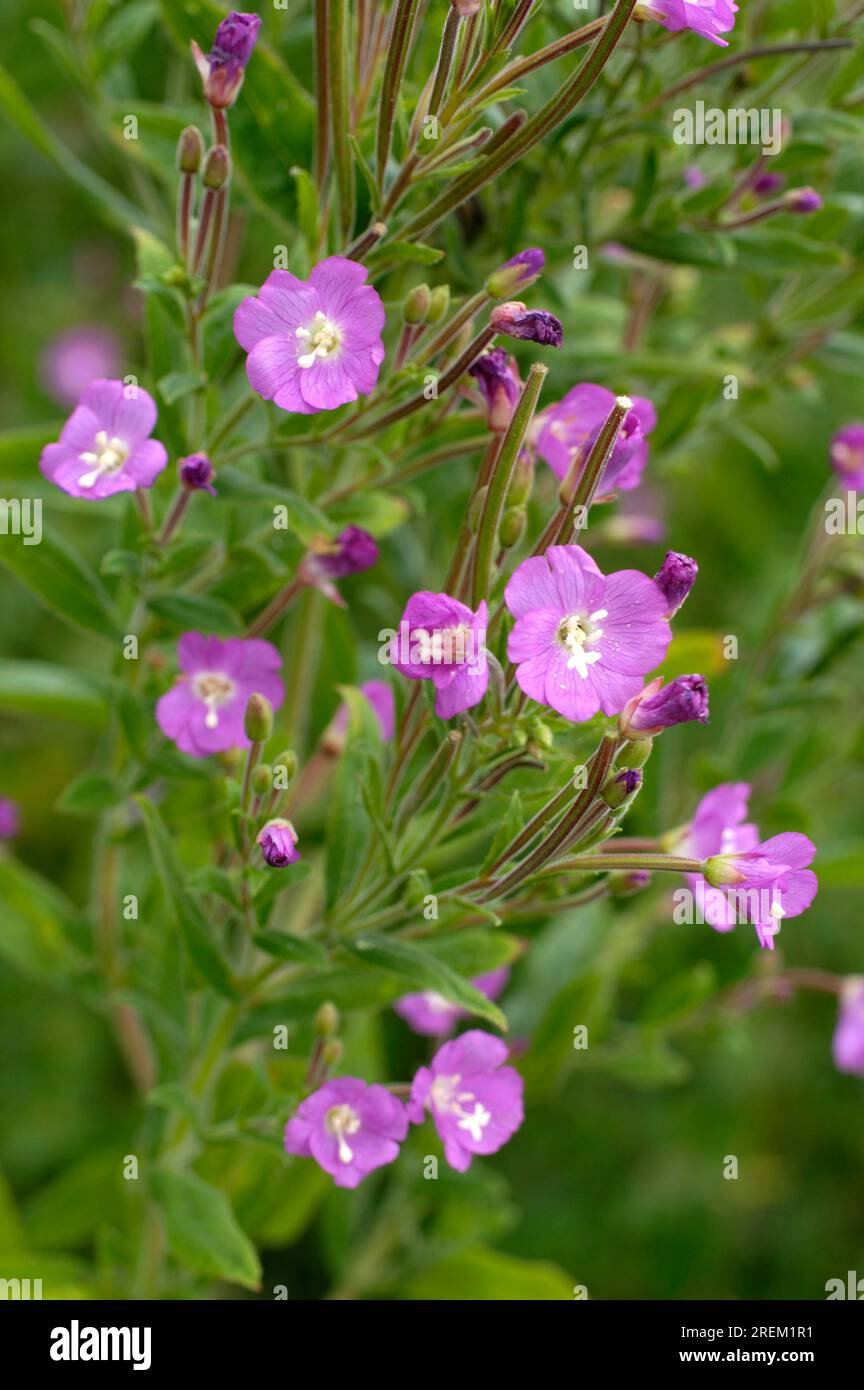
{"x": 475, "y": 1101}
{"x": 223, "y": 68}
{"x": 848, "y": 1044}
{"x": 708, "y": 18}
{"x": 660, "y": 707}
{"x": 313, "y": 345}
{"x": 380, "y": 697}
{"x": 77, "y": 357}
{"x": 203, "y": 713}
{"x": 278, "y": 841}
{"x": 777, "y": 869}
{"x": 718, "y": 826}
{"x": 8, "y": 818}
{"x": 575, "y": 422}
{"x": 583, "y": 640}
{"x": 847, "y": 455}
{"x": 105, "y": 445}
{"x": 442, "y": 640}
{"x": 349, "y": 1128}
{"x": 431, "y": 1015}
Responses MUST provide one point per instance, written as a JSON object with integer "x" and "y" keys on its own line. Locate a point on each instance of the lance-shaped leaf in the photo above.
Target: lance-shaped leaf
{"x": 422, "y": 970}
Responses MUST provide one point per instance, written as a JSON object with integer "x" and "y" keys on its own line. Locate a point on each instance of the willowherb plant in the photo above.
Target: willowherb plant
{"x": 481, "y": 780}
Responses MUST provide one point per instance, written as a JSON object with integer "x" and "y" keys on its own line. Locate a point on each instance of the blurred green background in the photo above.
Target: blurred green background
{"x": 616, "y": 1179}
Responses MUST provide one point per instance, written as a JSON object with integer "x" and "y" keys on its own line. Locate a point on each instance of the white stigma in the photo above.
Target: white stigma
{"x": 576, "y": 633}
{"x": 341, "y": 1120}
{"x": 323, "y": 337}
{"x": 214, "y": 689}
{"x": 107, "y": 456}
{"x": 445, "y": 1098}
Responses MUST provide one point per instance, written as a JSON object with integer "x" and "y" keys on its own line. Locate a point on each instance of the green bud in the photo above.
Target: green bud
{"x": 231, "y": 760}
{"x": 217, "y": 167}
{"x": 541, "y": 733}
{"x": 327, "y": 1020}
{"x": 418, "y": 887}
{"x": 439, "y": 303}
{"x": 258, "y": 718}
{"x": 190, "y": 150}
{"x": 287, "y": 761}
{"x": 416, "y": 306}
{"x": 332, "y": 1053}
{"x": 721, "y": 873}
{"x": 635, "y": 754}
{"x": 475, "y": 511}
{"x": 262, "y": 779}
{"x": 621, "y": 787}
{"x": 522, "y": 483}
{"x": 512, "y": 527}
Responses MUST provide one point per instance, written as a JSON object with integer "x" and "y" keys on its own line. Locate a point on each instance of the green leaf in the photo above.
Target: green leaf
{"x": 54, "y": 692}
{"x": 348, "y": 827}
{"x": 287, "y": 946}
{"x": 307, "y": 207}
{"x": 644, "y": 1061}
{"x": 407, "y": 253}
{"x": 483, "y": 1274}
{"x": 41, "y": 932}
{"x": 677, "y": 997}
{"x": 196, "y": 612}
{"x": 377, "y": 512}
{"x": 202, "y": 1229}
{"x": 20, "y": 449}
{"x": 89, "y": 794}
{"x": 64, "y": 584}
{"x": 176, "y": 385}
{"x": 301, "y": 517}
{"x": 189, "y": 918}
{"x": 422, "y": 970}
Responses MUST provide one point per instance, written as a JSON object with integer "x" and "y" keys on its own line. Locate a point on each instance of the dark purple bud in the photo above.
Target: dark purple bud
{"x": 196, "y": 473}
{"x": 802, "y": 200}
{"x": 518, "y": 273}
{"x": 353, "y": 550}
{"x": 621, "y": 785}
{"x": 676, "y": 577}
{"x": 768, "y": 183}
{"x": 278, "y": 841}
{"x": 630, "y": 778}
{"x": 537, "y": 325}
{"x": 497, "y": 376}
{"x": 659, "y": 707}
{"x": 223, "y": 68}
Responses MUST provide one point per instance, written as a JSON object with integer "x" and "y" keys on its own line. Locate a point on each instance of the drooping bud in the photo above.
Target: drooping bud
{"x": 327, "y": 1020}
{"x": 439, "y": 303}
{"x": 217, "y": 167}
{"x": 497, "y": 375}
{"x": 197, "y": 473}
{"x": 278, "y": 841}
{"x": 223, "y": 68}
{"x": 517, "y": 274}
{"x": 659, "y": 707}
{"x": 536, "y": 325}
{"x": 676, "y": 577}
{"x": 258, "y": 718}
{"x": 802, "y": 200}
{"x": 190, "y": 150}
{"x": 416, "y": 307}
{"x": 352, "y": 550}
{"x": 768, "y": 183}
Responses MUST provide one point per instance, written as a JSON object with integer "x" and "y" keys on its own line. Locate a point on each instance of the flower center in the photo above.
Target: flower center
{"x": 106, "y": 456}
{"x": 214, "y": 689}
{"x": 341, "y": 1120}
{"x": 436, "y": 1002}
{"x": 576, "y": 633}
{"x": 323, "y": 338}
{"x": 445, "y": 1098}
{"x": 445, "y": 646}
{"x": 847, "y": 457}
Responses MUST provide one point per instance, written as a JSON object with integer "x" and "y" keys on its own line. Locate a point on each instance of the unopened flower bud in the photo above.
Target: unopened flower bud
{"x": 620, "y": 786}
{"x": 516, "y": 274}
{"x": 217, "y": 167}
{"x": 223, "y": 68}
{"x": 278, "y": 841}
{"x": 197, "y": 474}
{"x": 258, "y": 718}
{"x": 439, "y": 303}
{"x": 416, "y": 307}
{"x": 625, "y": 883}
{"x": 522, "y": 483}
{"x": 676, "y": 577}
{"x": 721, "y": 872}
{"x": 802, "y": 200}
{"x": 331, "y": 1053}
{"x": 512, "y": 527}
{"x": 659, "y": 707}
{"x": 535, "y": 325}
{"x": 285, "y": 768}
{"x": 541, "y": 734}
{"x": 327, "y": 1020}
{"x": 635, "y": 753}
{"x": 497, "y": 375}
{"x": 848, "y": 1044}
{"x": 262, "y": 779}
{"x": 190, "y": 150}
{"x": 475, "y": 511}
{"x": 352, "y": 550}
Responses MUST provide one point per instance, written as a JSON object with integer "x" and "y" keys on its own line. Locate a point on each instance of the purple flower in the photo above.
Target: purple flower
{"x": 313, "y": 344}
{"x": 583, "y": 640}
{"x": 497, "y": 376}
{"x": 278, "y": 841}
{"x": 694, "y": 179}
{"x": 718, "y": 826}
{"x": 575, "y": 422}
{"x": 105, "y": 445}
{"x": 630, "y": 779}
{"x": 349, "y": 1128}
{"x": 709, "y": 18}
{"x": 676, "y": 577}
{"x": 847, "y": 455}
{"x": 380, "y": 697}
{"x": 802, "y": 200}
{"x": 8, "y": 818}
{"x": 203, "y": 713}
{"x": 660, "y": 707}
{"x": 537, "y": 325}
{"x": 768, "y": 183}
{"x": 778, "y": 870}
{"x": 197, "y": 473}
{"x": 77, "y": 357}
{"x": 223, "y": 68}
{"x": 441, "y": 640}
{"x": 431, "y": 1015}
{"x": 520, "y": 272}
{"x": 475, "y": 1101}
{"x": 848, "y": 1043}
{"x": 353, "y": 550}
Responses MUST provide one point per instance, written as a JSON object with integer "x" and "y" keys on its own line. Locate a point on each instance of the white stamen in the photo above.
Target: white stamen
{"x": 341, "y": 1120}
{"x": 476, "y": 1122}
{"x": 323, "y": 337}
{"x": 214, "y": 689}
{"x": 107, "y": 456}
{"x": 578, "y": 632}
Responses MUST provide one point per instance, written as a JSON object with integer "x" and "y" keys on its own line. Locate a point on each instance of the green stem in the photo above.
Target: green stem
{"x": 340, "y": 115}
{"x": 404, "y": 15}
